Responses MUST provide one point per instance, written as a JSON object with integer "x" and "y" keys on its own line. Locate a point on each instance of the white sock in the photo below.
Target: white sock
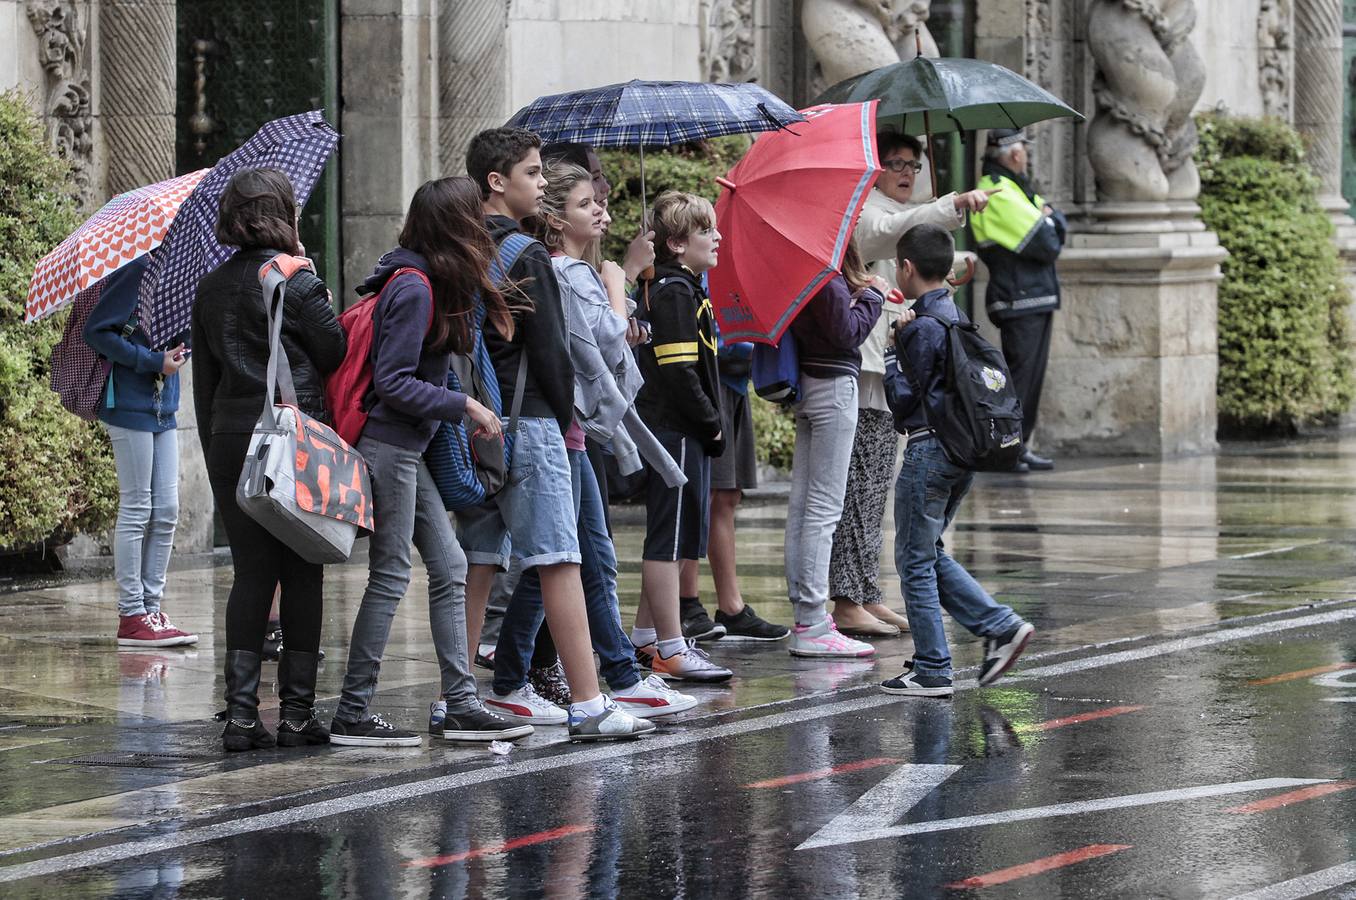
{"x": 441, "y": 706}
{"x": 594, "y": 707}
{"x": 672, "y": 647}
{"x": 642, "y": 636}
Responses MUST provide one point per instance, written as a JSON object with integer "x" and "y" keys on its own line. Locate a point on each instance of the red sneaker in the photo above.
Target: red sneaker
{"x": 171, "y": 630}
{"x": 145, "y": 631}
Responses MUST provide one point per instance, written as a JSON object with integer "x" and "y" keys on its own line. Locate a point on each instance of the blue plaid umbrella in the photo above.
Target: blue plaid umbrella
{"x": 654, "y": 113}
{"x": 299, "y": 145}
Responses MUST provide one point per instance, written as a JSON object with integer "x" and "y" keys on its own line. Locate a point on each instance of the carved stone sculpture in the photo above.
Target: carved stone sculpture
{"x": 1275, "y": 57}
{"x": 849, "y": 37}
{"x": 137, "y": 72}
{"x": 1148, "y": 79}
{"x": 62, "y": 28}
{"x": 729, "y": 49}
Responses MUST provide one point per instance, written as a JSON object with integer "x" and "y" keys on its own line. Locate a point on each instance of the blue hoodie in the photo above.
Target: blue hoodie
{"x": 409, "y": 380}
{"x": 923, "y": 345}
{"x": 137, "y": 395}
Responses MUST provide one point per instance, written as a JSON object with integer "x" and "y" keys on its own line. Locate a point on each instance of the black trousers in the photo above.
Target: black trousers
{"x": 261, "y": 562}
{"x": 1026, "y": 347}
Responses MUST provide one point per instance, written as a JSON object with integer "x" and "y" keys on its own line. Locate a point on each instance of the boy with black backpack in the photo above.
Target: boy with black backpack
{"x": 937, "y": 372}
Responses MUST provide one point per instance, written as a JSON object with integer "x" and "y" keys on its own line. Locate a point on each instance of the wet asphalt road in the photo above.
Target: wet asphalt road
{"x": 1210, "y": 764}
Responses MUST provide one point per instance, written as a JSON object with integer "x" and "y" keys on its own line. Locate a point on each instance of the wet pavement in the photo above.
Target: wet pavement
{"x": 1180, "y": 727}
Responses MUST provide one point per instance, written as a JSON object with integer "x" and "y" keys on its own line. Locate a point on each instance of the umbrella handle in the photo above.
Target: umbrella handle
{"x": 725, "y": 182}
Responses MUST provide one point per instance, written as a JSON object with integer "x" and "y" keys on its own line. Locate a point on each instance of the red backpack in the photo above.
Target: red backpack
{"x": 347, "y": 386}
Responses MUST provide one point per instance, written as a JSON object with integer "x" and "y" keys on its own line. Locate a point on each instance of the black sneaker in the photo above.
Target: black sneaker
{"x": 913, "y": 684}
{"x": 1000, "y": 653}
{"x": 437, "y": 714}
{"x": 482, "y": 725}
{"x": 551, "y": 684}
{"x": 644, "y": 658}
{"x": 697, "y": 625}
{"x": 374, "y": 731}
{"x": 747, "y": 626}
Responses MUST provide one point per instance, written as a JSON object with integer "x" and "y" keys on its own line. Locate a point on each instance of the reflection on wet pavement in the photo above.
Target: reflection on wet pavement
{"x": 1132, "y": 690}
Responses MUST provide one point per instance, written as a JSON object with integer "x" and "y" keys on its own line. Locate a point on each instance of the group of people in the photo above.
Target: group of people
{"x": 596, "y": 359}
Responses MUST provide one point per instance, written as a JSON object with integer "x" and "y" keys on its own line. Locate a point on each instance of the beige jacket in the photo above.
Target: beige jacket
{"x": 882, "y": 224}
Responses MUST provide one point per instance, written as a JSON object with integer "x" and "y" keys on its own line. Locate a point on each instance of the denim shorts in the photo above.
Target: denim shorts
{"x": 533, "y": 515}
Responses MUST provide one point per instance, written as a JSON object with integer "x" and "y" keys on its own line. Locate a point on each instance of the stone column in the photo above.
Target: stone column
{"x": 1134, "y": 356}
{"x": 390, "y": 124}
{"x": 137, "y": 81}
{"x": 472, "y": 75}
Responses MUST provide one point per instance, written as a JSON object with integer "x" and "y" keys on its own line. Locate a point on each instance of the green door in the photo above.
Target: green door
{"x": 1348, "y": 117}
{"x": 244, "y": 62}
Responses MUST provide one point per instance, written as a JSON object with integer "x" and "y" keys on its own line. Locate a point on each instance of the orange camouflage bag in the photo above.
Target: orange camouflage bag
{"x": 301, "y": 481}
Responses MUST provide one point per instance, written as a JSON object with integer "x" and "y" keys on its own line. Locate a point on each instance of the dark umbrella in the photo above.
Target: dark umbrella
{"x": 925, "y": 95}
{"x": 299, "y": 145}
{"x": 655, "y": 114}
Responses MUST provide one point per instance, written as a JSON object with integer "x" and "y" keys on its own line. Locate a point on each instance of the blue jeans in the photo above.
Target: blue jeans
{"x": 148, "y": 511}
{"x": 927, "y": 495}
{"x": 598, "y": 570}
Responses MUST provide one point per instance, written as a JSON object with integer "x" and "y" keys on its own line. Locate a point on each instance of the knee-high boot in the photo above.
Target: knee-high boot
{"x": 298, "y": 725}
{"x": 243, "y": 731}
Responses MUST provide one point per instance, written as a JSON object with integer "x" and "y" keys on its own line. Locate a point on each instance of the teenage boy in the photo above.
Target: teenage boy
{"x": 930, "y": 487}
{"x": 535, "y": 509}
{"x": 680, "y": 403}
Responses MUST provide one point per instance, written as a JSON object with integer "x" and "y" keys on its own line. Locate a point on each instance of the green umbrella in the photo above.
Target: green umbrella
{"x": 925, "y": 95}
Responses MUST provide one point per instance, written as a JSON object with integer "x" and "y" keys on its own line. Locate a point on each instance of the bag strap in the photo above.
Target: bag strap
{"x": 273, "y": 277}
{"x": 510, "y": 249}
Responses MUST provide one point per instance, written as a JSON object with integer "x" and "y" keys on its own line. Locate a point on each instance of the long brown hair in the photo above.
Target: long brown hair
{"x": 855, "y": 272}
{"x": 445, "y": 224}
{"x": 562, "y": 177}
{"x": 259, "y": 209}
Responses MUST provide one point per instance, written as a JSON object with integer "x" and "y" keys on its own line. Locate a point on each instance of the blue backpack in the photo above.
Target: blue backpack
{"x": 470, "y": 466}
{"x": 776, "y": 370}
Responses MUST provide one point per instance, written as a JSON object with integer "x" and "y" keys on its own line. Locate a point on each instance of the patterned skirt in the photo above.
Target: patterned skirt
{"x": 854, "y": 569}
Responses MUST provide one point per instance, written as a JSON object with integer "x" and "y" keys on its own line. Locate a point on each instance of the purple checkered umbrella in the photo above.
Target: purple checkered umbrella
{"x": 299, "y": 145}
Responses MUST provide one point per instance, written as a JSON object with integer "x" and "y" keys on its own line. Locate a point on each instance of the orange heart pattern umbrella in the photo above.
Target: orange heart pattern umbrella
{"x": 127, "y": 227}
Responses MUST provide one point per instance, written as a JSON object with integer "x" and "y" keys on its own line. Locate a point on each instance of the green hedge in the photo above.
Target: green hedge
{"x": 56, "y": 471}
{"x": 1283, "y": 345}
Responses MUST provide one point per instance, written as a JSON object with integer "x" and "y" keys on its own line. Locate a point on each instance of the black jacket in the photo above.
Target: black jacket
{"x": 230, "y": 344}
{"x": 682, "y": 381}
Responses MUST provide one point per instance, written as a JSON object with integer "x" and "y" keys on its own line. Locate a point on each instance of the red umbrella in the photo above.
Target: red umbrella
{"x": 127, "y": 227}
{"x": 786, "y": 216}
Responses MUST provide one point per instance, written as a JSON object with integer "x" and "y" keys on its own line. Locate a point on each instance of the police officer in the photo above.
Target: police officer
{"x": 1019, "y": 237}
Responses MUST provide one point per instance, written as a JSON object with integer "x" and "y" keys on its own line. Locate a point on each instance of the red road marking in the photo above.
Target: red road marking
{"x": 1302, "y": 673}
{"x": 540, "y": 837}
{"x": 1081, "y": 717}
{"x": 1289, "y": 797}
{"x": 1036, "y": 867}
{"x": 825, "y": 773}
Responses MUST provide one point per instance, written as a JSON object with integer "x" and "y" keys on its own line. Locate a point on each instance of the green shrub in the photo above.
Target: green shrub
{"x": 1283, "y": 346}
{"x": 774, "y": 433}
{"x": 690, "y": 167}
{"x": 56, "y": 471}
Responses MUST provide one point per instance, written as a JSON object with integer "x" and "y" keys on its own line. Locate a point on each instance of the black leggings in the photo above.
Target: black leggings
{"x": 261, "y": 563}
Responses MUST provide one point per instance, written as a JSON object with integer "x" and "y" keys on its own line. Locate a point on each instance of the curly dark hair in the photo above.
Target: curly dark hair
{"x": 497, "y": 150}
{"x": 259, "y": 209}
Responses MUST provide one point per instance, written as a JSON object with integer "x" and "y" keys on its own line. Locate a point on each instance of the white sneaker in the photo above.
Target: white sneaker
{"x": 526, "y": 705}
{"x": 611, "y": 724}
{"x": 825, "y": 640}
{"x": 689, "y": 664}
{"x": 651, "y": 697}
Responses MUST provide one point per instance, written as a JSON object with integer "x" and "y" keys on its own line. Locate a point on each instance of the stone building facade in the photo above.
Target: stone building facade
{"x": 137, "y": 90}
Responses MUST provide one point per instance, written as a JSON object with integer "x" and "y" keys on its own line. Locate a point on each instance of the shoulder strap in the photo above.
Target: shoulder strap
{"x": 273, "y": 276}
{"x": 510, "y": 248}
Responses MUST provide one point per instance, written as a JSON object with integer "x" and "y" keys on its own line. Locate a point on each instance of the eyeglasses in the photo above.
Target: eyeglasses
{"x": 899, "y": 165}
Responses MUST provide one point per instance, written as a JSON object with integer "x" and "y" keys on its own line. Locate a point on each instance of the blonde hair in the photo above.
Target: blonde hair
{"x": 676, "y": 216}
{"x": 854, "y": 270}
{"x": 562, "y": 177}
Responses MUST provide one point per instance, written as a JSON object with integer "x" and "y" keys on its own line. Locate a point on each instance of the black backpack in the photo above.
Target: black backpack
{"x": 981, "y": 428}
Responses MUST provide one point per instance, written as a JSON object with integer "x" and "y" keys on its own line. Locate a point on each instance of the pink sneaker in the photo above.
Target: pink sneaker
{"x": 825, "y": 640}
{"x": 172, "y": 630}
{"x": 145, "y": 631}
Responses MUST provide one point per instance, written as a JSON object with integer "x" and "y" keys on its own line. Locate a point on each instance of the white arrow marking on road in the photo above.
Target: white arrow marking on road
{"x": 876, "y": 820}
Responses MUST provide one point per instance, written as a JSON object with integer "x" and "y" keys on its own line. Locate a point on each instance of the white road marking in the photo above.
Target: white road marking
{"x": 886, "y": 803}
{"x": 872, "y": 829}
{"x": 190, "y": 835}
{"x": 1305, "y": 885}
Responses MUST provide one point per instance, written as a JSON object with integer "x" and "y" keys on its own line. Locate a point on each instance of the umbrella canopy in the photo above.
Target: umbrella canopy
{"x": 956, "y": 95}
{"x": 654, "y": 113}
{"x": 786, "y": 216}
{"x": 299, "y": 145}
{"x": 127, "y": 227}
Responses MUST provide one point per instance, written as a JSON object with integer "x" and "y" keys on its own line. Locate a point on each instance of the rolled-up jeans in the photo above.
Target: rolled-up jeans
{"x": 406, "y": 506}
{"x": 598, "y": 571}
{"x": 148, "y": 511}
{"x": 826, "y": 420}
{"x": 927, "y": 496}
